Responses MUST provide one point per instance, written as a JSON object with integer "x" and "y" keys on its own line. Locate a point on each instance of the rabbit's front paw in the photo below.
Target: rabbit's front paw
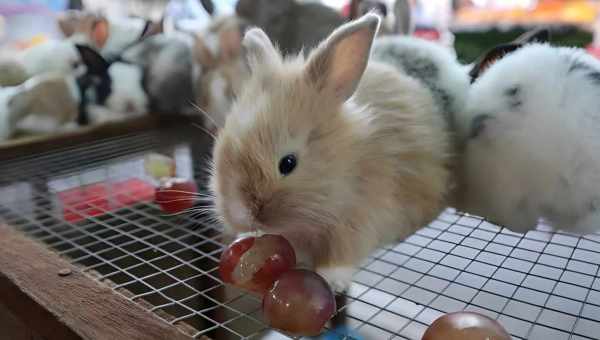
{"x": 339, "y": 278}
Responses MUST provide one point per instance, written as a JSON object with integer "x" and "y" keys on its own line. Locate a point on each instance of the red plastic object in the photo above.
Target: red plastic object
{"x": 100, "y": 198}
{"x": 428, "y": 34}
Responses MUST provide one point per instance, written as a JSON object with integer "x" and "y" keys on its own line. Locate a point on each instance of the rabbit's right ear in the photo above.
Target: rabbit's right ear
{"x": 94, "y": 62}
{"x": 338, "y": 64}
{"x": 259, "y": 51}
{"x": 403, "y": 18}
{"x": 490, "y": 58}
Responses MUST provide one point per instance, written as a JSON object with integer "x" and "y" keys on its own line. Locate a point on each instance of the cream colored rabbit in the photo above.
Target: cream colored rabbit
{"x": 338, "y": 154}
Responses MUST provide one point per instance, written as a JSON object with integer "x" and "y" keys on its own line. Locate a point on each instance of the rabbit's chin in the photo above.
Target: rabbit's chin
{"x": 338, "y": 277}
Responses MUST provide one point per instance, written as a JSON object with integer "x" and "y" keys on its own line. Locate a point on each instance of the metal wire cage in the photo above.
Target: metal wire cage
{"x": 93, "y": 205}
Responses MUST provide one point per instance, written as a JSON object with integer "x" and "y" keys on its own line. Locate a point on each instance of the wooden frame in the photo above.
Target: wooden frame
{"x": 36, "y": 144}
{"x": 44, "y": 297}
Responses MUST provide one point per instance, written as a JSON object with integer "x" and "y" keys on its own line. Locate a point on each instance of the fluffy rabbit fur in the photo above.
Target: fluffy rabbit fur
{"x": 169, "y": 71}
{"x": 218, "y": 51}
{"x": 372, "y": 152}
{"x": 12, "y": 72}
{"x": 292, "y": 25}
{"x": 50, "y": 100}
{"x": 118, "y": 86}
{"x": 50, "y": 56}
{"x": 434, "y": 65}
{"x": 109, "y": 35}
{"x": 534, "y": 138}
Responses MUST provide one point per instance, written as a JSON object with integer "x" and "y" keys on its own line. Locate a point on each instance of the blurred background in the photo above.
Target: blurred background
{"x": 476, "y": 24}
{"x": 112, "y": 60}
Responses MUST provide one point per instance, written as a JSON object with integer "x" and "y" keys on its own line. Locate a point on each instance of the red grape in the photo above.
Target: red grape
{"x": 300, "y": 303}
{"x": 254, "y": 263}
{"x": 176, "y": 195}
{"x": 465, "y": 326}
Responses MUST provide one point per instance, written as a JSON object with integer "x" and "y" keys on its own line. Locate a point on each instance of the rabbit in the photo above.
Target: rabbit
{"x": 109, "y": 35}
{"x": 12, "y": 72}
{"x": 539, "y": 35}
{"x": 292, "y": 25}
{"x": 169, "y": 71}
{"x": 337, "y": 153}
{"x": 403, "y": 20}
{"x": 49, "y": 56}
{"x": 219, "y": 53}
{"x": 534, "y": 136}
{"x": 118, "y": 86}
{"x": 50, "y": 100}
{"x": 433, "y": 65}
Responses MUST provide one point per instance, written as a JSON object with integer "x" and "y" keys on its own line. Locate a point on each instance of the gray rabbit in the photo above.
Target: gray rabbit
{"x": 292, "y": 25}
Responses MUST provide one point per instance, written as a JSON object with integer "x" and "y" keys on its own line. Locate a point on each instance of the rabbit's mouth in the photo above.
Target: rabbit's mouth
{"x": 311, "y": 245}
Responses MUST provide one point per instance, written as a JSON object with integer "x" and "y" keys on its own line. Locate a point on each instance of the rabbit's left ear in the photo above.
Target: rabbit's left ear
{"x": 95, "y": 63}
{"x": 490, "y": 58}
{"x": 259, "y": 51}
{"x": 338, "y": 64}
{"x": 538, "y": 35}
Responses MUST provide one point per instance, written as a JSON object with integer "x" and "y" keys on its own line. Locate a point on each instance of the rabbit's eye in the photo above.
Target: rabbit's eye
{"x": 287, "y": 164}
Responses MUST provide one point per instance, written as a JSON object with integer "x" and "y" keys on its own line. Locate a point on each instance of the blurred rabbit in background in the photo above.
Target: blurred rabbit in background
{"x": 292, "y": 25}
{"x": 44, "y": 103}
{"x": 219, "y": 52}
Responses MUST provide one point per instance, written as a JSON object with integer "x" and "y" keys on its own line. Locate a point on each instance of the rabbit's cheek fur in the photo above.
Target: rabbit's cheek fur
{"x": 127, "y": 95}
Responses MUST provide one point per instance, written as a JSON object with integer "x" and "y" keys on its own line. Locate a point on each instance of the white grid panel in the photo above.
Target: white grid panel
{"x": 541, "y": 285}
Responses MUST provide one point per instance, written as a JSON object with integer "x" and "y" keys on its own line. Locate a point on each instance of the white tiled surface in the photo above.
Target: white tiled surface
{"x": 539, "y": 286}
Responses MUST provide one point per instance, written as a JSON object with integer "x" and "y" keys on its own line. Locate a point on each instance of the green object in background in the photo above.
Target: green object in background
{"x": 470, "y": 45}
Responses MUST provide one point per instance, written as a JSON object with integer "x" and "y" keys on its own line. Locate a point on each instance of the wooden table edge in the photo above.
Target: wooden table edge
{"x": 58, "y": 301}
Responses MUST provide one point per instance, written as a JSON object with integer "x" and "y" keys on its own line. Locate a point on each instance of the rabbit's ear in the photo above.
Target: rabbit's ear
{"x": 403, "y": 19}
{"x": 230, "y": 41}
{"x": 94, "y": 62}
{"x": 153, "y": 28}
{"x": 100, "y": 32}
{"x": 67, "y": 22}
{"x": 490, "y": 58}
{"x": 259, "y": 50}
{"x": 338, "y": 64}
{"x": 203, "y": 55}
{"x": 539, "y": 35}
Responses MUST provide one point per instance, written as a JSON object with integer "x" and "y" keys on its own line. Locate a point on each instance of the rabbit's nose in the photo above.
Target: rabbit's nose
{"x": 130, "y": 107}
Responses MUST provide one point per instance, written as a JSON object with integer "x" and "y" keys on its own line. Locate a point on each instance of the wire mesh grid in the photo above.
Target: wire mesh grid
{"x": 541, "y": 285}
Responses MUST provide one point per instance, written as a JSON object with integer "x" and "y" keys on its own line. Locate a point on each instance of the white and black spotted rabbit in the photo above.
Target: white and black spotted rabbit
{"x": 532, "y": 129}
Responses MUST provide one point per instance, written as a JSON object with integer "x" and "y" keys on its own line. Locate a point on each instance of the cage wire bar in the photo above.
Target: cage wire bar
{"x": 541, "y": 285}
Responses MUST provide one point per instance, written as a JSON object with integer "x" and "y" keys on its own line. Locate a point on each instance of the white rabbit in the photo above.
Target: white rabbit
{"x": 49, "y": 56}
{"x": 110, "y": 35}
{"x": 47, "y": 102}
{"x": 338, "y": 154}
{"x": 169, "y": 71}
{"x": 118, "y": 86}
{"x": 434, "y": 65}
{"x": 533, "y": 149}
